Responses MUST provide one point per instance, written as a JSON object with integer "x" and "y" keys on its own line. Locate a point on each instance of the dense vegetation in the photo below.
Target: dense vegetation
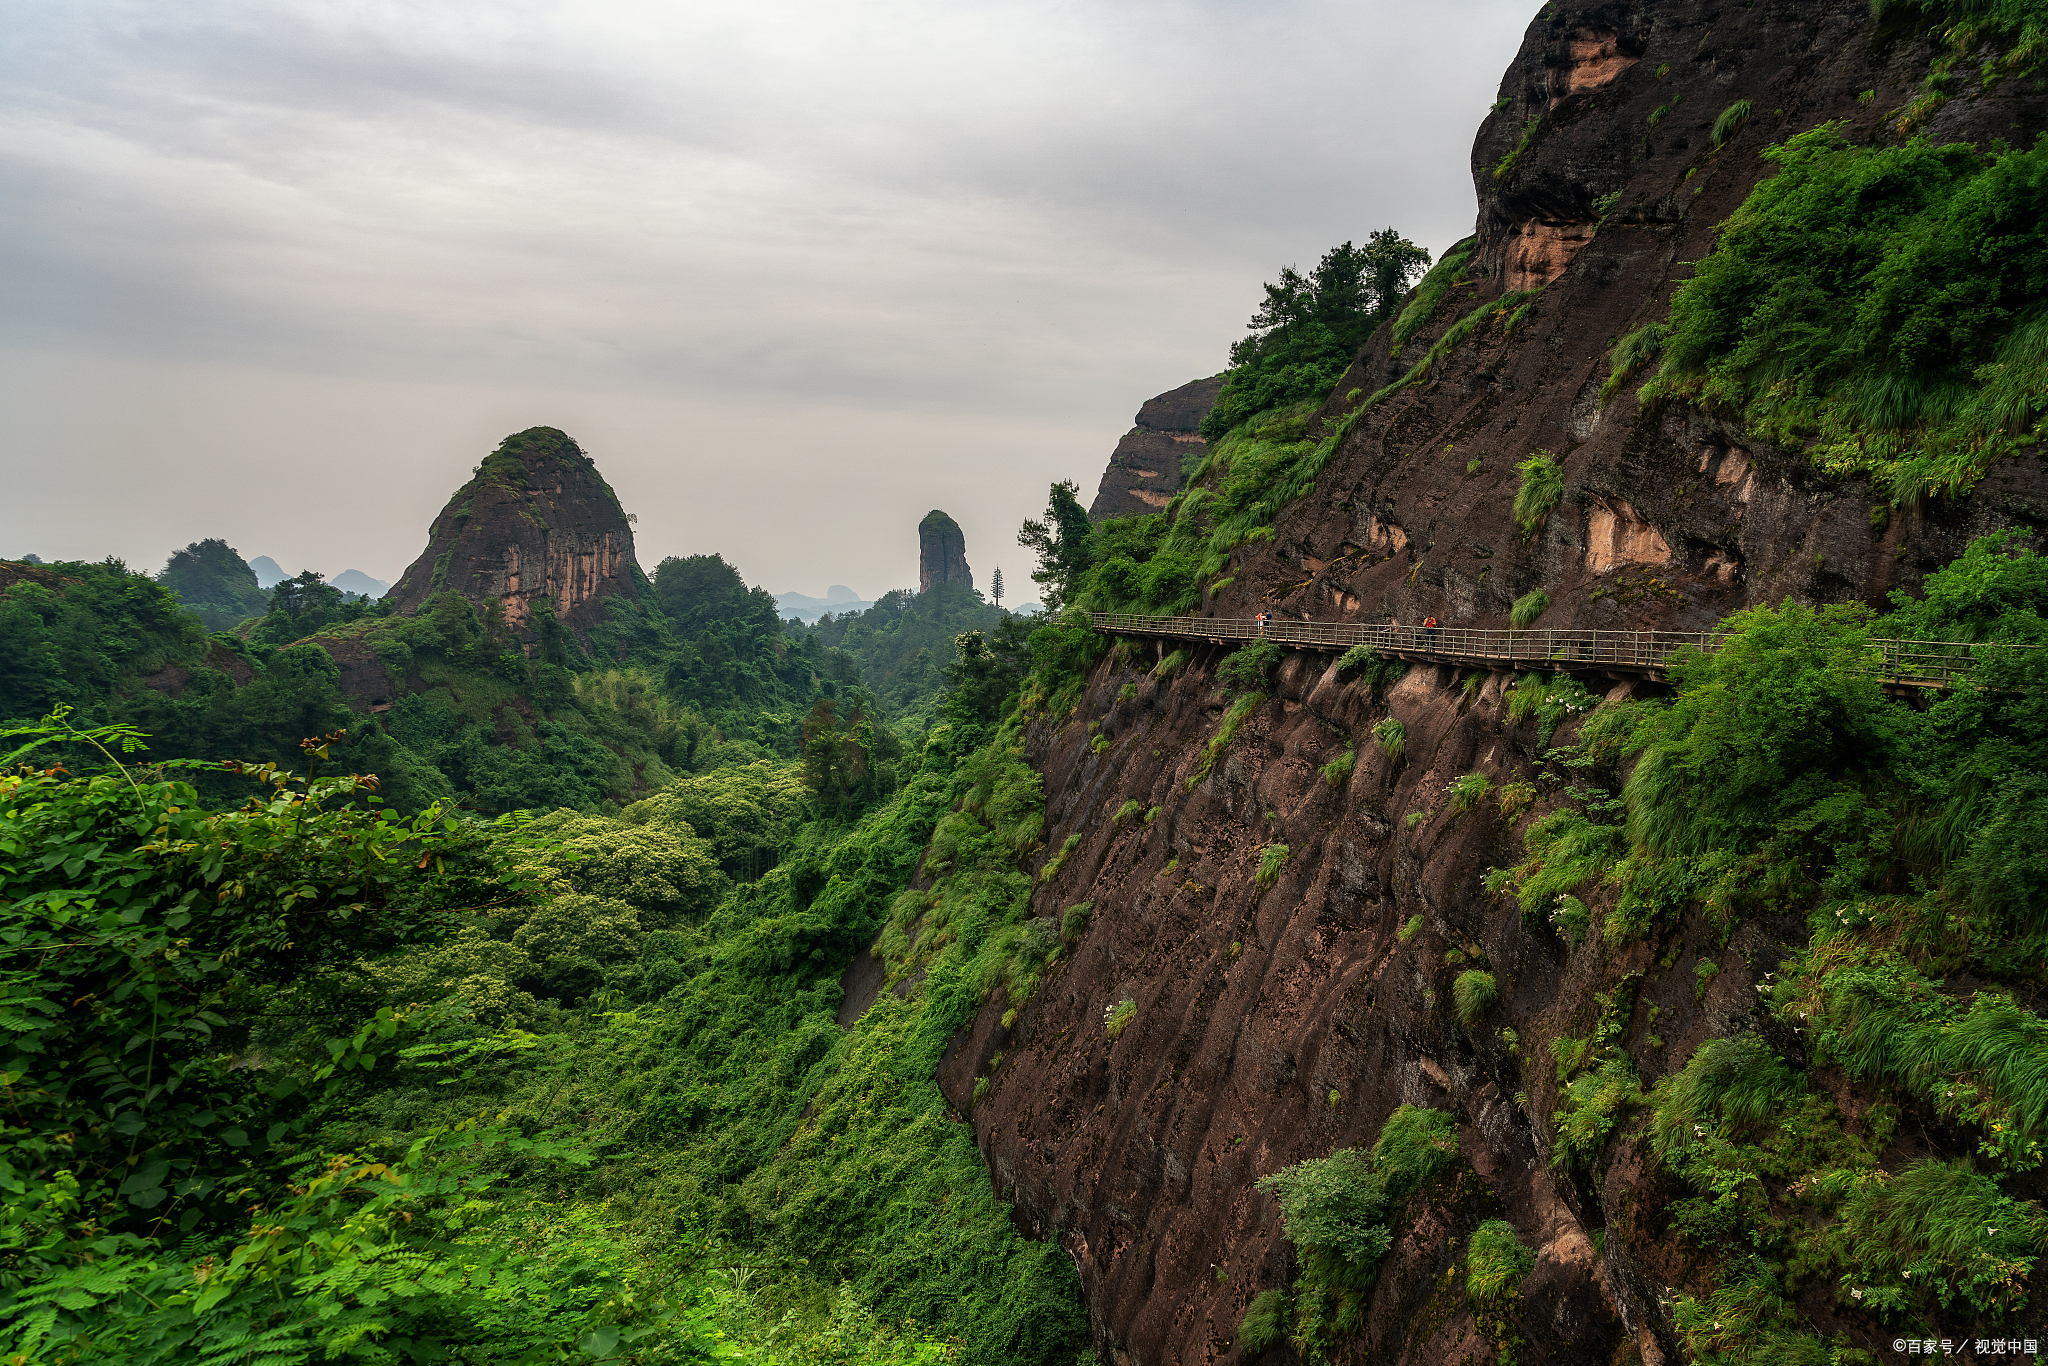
{"x": 899, "y": 648}
{"x": 1309, "y": 327}
{"x": 1880, "y": 305}
{"x": 562, "y": 1087}
{"x": 1899, "y": 849}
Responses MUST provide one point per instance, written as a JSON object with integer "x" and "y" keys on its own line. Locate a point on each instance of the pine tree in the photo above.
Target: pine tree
{"x": 995, "y": 586}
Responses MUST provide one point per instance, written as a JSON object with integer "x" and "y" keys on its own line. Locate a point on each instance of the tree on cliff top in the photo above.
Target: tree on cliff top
{"x": 1310, "y": 326}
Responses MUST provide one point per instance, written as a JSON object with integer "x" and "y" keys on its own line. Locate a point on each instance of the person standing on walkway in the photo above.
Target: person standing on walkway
{"x": 1429, "y": 631}
{"x": 1262, "y": 624}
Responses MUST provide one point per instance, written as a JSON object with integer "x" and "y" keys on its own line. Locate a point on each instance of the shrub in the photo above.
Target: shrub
{"x": 1375, "y": 672}
{"x": 1151, "y": 815}
{"x": 1337, "y": 1209}
{"x": 1849, "y": 309}
{"x": 1778, "y": 728}
{"x": 1468, "y": 791}
{"x": 1630, "y": 355}
{"x": 1171, "y": 665}
{"x": 1058, "y": 861}
{"x": 1528, "y": 607}
{"x": 1473, "y": 994}
{"x": 1264, "y": 1323}
{"x": 1118, "y": 1017}
{"x": 1338, "y": 771}
{"x": 1074, "y": 921}
{"x": 1270, "y": 859}
{"x": 1944, "y": 1227}
{"x": 1496, "y": 1263}
{"x": 1409, "y": 930}
{"x": 1126, "y": 811}
{"x": 1516, "y": 798}
{"x": 1542, "y": 485}
{"x": 1392, "y": 738}
{"x": 1232, "y": 719}
{"x": 1729, "y": 1083}
{"x": 1728, "y": 125}
{"x": 1249, "y": 669}
{"x": 1571, "y": 917}
{"x": 1590, "y": 1106}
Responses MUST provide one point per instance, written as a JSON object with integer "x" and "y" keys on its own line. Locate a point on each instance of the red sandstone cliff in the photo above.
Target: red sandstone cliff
{"x": 535, "y": 521}
{"x": 1145, "y": 468}
{"x": 1280, "y": 1023}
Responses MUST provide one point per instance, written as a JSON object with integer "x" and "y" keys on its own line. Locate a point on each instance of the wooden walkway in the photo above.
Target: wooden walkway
{"x": 1909, "y": 664}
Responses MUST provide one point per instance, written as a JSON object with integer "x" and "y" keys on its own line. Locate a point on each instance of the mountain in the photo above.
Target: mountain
{"x": 357, "y": 582}
{"x": 1150, "y": 463}
{"x": 535, "y": 529}
{"x": 268, "y": 575}
{"x": 1305, "y": 930}
{"x": 805, "y": 608}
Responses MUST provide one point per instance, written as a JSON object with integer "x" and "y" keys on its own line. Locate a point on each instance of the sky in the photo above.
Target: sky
{"x": 794, "y": 273}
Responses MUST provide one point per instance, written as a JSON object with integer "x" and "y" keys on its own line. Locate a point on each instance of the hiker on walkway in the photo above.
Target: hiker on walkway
{"x": 1262, "y": 624}
{"x": 1429, "y": 630}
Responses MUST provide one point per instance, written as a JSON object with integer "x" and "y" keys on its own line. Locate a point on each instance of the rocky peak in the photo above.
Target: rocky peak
{"x": 1146, "y": 468}
{"x": 941, "y": 553}
{"x": 536, "y": 520}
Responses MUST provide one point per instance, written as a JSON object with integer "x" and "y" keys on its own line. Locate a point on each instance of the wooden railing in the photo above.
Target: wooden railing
{"x": 1910, "y": 663}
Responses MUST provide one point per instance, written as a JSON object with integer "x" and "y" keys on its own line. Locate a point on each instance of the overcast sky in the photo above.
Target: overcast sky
{"x": 794, "y": 273}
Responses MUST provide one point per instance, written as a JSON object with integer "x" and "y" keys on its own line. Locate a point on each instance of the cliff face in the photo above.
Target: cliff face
{"x": 535, "y": 521}
{"x": 1144, "y": 470}
{"x": 941, "y": 553}
{"x": 1280, "y": 1023}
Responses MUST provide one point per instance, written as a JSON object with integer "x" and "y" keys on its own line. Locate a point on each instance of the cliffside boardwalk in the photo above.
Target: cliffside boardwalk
{"x": 1641, "y": 654}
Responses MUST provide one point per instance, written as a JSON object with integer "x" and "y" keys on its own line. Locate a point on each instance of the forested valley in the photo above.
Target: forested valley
{"x": 516, "y": 970}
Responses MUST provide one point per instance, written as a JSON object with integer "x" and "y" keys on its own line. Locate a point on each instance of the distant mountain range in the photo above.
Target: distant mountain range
{"x": 355, "y": 581}
{"x": 838, "y": 600}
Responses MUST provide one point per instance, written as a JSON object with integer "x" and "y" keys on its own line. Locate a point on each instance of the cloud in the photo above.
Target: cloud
{"x": 937, "y": 235}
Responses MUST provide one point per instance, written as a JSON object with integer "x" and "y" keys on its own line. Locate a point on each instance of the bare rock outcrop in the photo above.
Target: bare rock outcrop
{"x": 535, "y": 522}
{"x": 941, "y": 553}
{"x": 1145, "y": 469}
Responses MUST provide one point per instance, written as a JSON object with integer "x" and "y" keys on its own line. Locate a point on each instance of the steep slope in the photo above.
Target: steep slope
{"x": 1145, "y": 468}
{"x": 1284, "y": 1005}
{"x": 536, "y": 521}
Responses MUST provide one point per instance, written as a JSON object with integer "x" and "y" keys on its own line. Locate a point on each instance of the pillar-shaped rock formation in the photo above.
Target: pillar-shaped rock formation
{"x": 535, "y": 521}
{"x": 941, "y": 553}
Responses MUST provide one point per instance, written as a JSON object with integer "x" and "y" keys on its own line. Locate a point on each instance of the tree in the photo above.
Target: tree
{"x": 1309, "y": 327}
{"x": 995, "y": 586}
{"x": 212, "y": 579}
{"x": 1061, "y": 541}
{"x": 698, "y": 590}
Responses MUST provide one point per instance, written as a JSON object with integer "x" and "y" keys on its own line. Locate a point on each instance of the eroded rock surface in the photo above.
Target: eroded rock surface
{"x": 1282, "y": 1022}
{"x": 1146, "y": 468}
{"x": 536, "y": 521}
